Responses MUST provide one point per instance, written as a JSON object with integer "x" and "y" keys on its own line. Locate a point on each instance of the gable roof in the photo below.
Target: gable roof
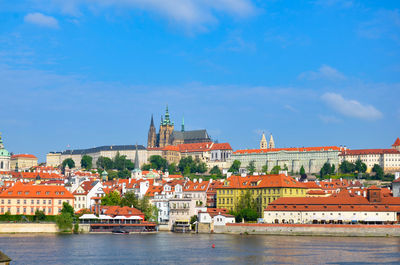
{"x": 397, "y": 142}
{"x": 191, "y": 135}
{"x": 369, "y": 152}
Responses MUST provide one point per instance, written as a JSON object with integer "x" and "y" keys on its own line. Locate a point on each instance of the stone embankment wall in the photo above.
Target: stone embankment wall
{"x": 318, "y": 230}
{"x": 28, "y": 228}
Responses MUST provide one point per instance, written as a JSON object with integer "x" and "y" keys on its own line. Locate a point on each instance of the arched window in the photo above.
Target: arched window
{"x": 1, "y": 164}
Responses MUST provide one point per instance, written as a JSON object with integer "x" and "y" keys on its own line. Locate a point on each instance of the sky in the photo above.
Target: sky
{"x": 84, "y": 73}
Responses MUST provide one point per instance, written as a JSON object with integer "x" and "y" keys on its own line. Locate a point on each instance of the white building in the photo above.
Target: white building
{"x": 110, "y": 151}
{"x": 4, "y": 157}
{"x": 387, "y": 159}
{"x": 85, "y": 192}
{"x": 311, "y": 158}
{"x": 215, "y": 217}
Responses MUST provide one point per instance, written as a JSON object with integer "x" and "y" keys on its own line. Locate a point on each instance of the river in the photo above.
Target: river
{"x": 170, "y": 248}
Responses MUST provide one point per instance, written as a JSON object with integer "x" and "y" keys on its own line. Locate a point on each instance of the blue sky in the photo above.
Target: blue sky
{"x": 88, "y": 73}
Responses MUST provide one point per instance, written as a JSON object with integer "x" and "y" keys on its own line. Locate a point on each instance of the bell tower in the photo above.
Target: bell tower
{"x": 263, "y": 142}
{"x": 166, "y": 130}
{"x": 152, "y": 136}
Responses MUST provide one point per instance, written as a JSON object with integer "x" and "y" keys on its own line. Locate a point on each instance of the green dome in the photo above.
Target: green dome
{"x": 4, "y": 152}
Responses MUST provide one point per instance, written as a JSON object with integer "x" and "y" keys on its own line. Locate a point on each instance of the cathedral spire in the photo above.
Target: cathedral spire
{"x": 271, "y": 142}
{"x": 263, "y": 142}
{"x": 183, "y": 124}
{"x": 152, "y": 121}
{"x": 137, "y": 158}
{"x": 1, "y": 142}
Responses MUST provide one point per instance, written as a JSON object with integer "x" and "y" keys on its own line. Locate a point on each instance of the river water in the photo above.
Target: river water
{"x": 170, "y": 248}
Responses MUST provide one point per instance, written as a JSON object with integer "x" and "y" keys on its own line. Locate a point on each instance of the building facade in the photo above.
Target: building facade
{"x": 4, "y": 157}
{"x": 311, "y": 158}
{"x": 387, "y": 159}
{"x": 27, "y": 199}
{"x": 343, "y": 207}
{"x": 109, "y": 151}
{"x": 263, "y": 189}
{"x": 23, "y": 162}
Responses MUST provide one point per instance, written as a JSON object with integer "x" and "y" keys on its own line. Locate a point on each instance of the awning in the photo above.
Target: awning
{"x": 120, "y": 217}
{"x": 105, "y": 217}
{"x": 134, "y": 218}
{"x": 88, "y": 216}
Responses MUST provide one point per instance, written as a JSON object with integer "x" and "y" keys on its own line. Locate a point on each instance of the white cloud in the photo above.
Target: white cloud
{"x": 291, "y": 108}
{"x": 350, "y": 107}
{"x": 324, "y": 72}
{"x": 329, "y": 119}
{"x": 41, "y": 20}
{"x": 187, "y": 13}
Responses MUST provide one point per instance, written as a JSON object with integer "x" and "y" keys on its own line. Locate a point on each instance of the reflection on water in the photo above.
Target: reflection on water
{"x": 169, "y": 248}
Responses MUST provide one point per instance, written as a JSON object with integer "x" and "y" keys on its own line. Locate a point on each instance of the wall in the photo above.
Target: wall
{"x": 320, "y": 230}
{"x": 28, "y": 228}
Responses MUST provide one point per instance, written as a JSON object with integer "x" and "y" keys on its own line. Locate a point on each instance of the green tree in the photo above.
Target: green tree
{"x": 172, "y": 168}
{"x": 158, "y": 163}
{"x": 186, "y": 171}
{"x": 150, "y": 211}
{"x": 246, "y": 208}
{"x": 186, "y": 162}
{"x": 112, "y": 174}
{"x": 104, "y": 163}
{"x": 124, "y": 174}
{"x": 265, "y": 168}
{"x": 235, "y": 167}
{"x": 68, "y": 161}
{"x": 146, "y": 167}
{"x": 130, "y": 200}
{"x": 200, "y": 167}
{"x": 215, "y": 171}
{"x": 251, "y": 167}
{"x": 119, "y": 162}
{"x": 39, "y": 216}
{"x": 67, "y": 209}
{"x": 346, "y": 167}
{"x": 65, "y": 220}
{"x": 360, "y": 167}
{"x": 111, "y": 199}
{"x": 326, "y": 169}
{"x": 378, "y": 171}
{"x": 333, "y": 169}
{"x": 302, "y": 171}
{"x": 86, "y": 162}
{"x": 276, "y": 169}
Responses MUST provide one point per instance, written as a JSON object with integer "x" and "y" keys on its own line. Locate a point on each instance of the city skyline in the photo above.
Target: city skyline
{"x": 312, "y": 73}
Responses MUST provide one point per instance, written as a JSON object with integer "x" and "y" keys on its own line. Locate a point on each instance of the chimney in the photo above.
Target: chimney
{"x": 200, "y": 180}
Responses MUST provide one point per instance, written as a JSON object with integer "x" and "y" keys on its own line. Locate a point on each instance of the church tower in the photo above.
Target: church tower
{"x": 166, "y": 130}
{"x": 263, "y": 142}
{"x": 271, "y": 142}
{"x": 152, "y": 136}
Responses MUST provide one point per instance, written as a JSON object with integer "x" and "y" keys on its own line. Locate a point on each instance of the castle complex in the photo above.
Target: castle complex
{"x": 167, "y": 136}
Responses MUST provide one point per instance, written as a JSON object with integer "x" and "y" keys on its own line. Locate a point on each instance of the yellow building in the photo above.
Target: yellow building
{"x": 23, "y": 162}
{"x": 264, "y": 189}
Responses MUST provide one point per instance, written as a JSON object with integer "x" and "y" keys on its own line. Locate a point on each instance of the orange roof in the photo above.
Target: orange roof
{"x": 342, "y": 201}
{"x": 316, "y": 192}
{"x": 20, "y": 190}
{"x": 264, "y": 181}
{"x": 369, "y": 152}
{"x": 397, "y": 142}
{"x": 292, "y": 149}
{"x": 23, "y": 156}
{"x": 125, "y": 211}
{"x": 196, "y": 186}
{"x": 152, "y": 190}
{"x": 221, "y": 146}
{"x": 311, "y": 185}
{"x": 171, "y": 148}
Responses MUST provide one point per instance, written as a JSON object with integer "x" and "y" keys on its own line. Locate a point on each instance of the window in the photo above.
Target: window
{"x": 24, "y": 201}
{"x": 59, "y": 201}
{"x": 17, "y": 201}
{"x": 32, "y": 210}
{"x": 38, "y": 201}
{"x": 9, "y": 201}
{"x": 49, "y": 211}
{"x": 32, "y": 201}
{"x": 44, "y": 201}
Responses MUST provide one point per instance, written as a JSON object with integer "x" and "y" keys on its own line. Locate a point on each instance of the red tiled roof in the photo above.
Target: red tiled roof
{"x": 20, "y": 190}
{"x": 221, "y": 146}
{"x": 369, "y": 152}
{"x": 125, "y": 211}
{"x": 264, "y": 181}
{"x": 23, "y": 156}
{"x": 311, "y": 185}
{"x": 342, "y": 201}
{"x": 292, "y": 149}
{"x": 316, "y": 192}
{"x": 397, "y": 142}
{"x": 196, "y": 186}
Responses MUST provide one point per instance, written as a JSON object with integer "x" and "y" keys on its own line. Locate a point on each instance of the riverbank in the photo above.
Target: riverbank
{"x": 310, "y": 230}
